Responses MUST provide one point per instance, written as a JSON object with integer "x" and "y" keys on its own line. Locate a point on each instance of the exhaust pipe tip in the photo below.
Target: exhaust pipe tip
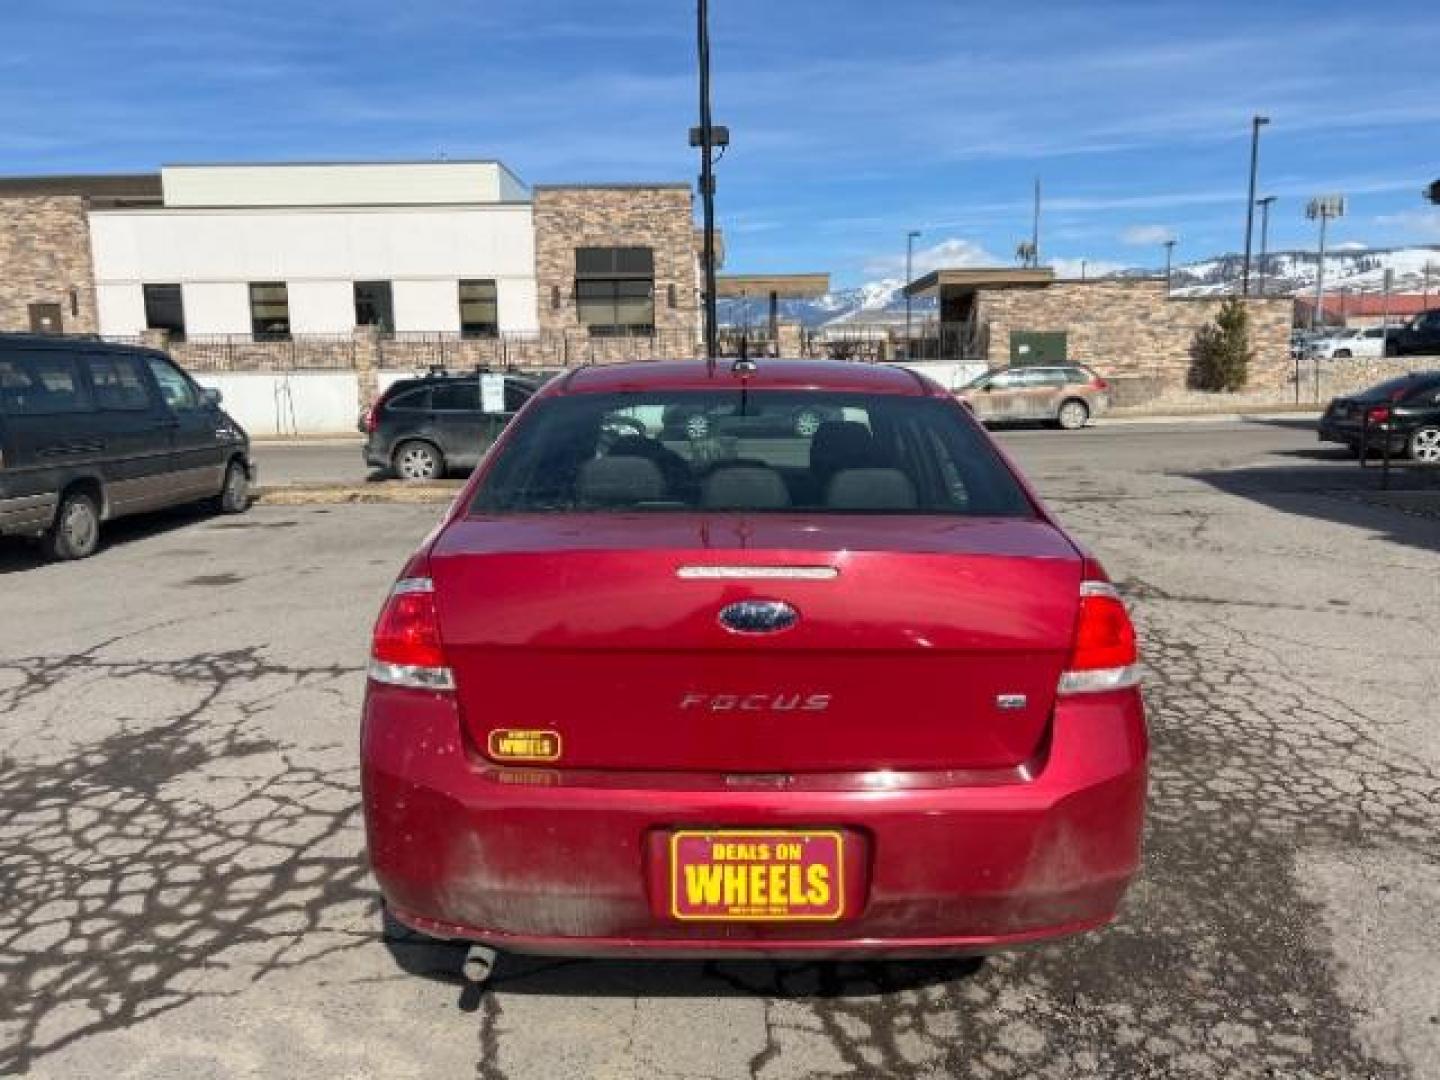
{"x": 479, "y": 964}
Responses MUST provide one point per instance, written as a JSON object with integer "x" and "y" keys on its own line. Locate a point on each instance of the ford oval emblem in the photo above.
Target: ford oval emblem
{"x": 758, "y": 616}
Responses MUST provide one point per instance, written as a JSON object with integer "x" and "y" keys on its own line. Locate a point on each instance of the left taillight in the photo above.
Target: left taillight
{"x": 406, "y": 650}
{"x": 1104, "y": 655}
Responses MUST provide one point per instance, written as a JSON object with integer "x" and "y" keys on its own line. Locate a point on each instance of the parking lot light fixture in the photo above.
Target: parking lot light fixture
{"x": 1264, "y": 205}
{"x": 1169, "y": 256}
{"x": 1322, "y": 209}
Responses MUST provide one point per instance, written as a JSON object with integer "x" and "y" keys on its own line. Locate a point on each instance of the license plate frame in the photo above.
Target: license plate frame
{"x": 793, "y": 851}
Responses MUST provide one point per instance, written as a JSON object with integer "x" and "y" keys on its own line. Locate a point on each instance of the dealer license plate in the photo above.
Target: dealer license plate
{"x": 728, "y": 875}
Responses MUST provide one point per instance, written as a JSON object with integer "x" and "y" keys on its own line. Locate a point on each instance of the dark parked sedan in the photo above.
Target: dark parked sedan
{"x": 1405, "y": 410}
{"x": 422, "y": 428}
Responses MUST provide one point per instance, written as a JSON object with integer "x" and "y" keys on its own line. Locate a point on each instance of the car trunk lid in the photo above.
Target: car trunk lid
{"x": 604, "y": 630}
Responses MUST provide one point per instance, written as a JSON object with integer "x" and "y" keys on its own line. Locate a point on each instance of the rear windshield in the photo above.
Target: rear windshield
{"x": 769, "y": 451}
{"x": 1398, "y": 388}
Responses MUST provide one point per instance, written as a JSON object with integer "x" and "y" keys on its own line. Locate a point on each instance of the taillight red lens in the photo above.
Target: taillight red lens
{"x": 1379, "y": 414}
{"x": 1098, "y": 383}
{"x": 372, "y": 418}
{"x": 406, "y": 650}
{"x": 1104, "y": 636}
{"x": 1104, "y": 655}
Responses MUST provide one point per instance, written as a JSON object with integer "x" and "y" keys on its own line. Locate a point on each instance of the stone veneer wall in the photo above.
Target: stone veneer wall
{"x": 44, "y": 255}
{"x": 659, "y": 217}
{"x": 1130, "y": 330}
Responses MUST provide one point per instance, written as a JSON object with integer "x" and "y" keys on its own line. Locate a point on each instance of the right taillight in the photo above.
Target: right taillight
{"x": 406, "y": 650}
{"x": 1379, "y": 414}
{"x": 1104, "y": 655}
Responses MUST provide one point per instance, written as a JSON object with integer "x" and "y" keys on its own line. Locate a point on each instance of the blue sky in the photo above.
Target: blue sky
{"x": 852, "y": 120}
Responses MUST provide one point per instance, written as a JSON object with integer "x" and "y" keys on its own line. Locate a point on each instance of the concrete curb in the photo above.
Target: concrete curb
{"x": 343, "y": 494}
{"x": 307, "y": 440}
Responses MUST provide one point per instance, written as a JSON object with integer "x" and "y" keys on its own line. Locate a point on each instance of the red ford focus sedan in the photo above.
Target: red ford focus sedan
{"x": 822, "y": 689}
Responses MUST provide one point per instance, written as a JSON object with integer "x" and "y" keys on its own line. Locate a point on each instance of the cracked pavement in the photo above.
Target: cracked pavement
{"x": 185, "y": 894}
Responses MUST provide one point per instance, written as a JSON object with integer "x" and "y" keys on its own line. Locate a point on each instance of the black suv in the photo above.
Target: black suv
{"x": 1405, "y": 410}
{"x": 421, "y": 428}
{"x": 1419, "y": 337}
{"x": 91, "y": 431}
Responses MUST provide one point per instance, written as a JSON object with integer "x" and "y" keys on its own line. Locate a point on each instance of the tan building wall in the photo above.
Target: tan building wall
{"x": 45, "y": 259}
{"x": 660, "y": 217}
{"x": 1131, "y": 329}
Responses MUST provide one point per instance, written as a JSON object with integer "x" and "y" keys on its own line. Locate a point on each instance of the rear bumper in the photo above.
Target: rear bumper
{"x": 528, "y": 861}
{"x": 1348, "y": 434}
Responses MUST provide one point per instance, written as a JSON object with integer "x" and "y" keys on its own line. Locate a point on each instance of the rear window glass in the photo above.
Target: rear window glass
{"x": 770, "y": 451}
{"x": 41, "y": 386}
{"x": 1395, "y": 389}
{"x": 410, "y": 399}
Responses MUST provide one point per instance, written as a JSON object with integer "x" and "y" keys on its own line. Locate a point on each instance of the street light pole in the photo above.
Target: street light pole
{"x": 1264, "y": 236}
{"x": 910, "y": 238}
{"x": 1256, "y": 123}
{"x": 1323, "y": 209}
{"x": 1169, "y": 254}
{"x": 707, "y": 182}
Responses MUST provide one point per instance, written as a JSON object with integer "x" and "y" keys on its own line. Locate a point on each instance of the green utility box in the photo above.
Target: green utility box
{"x": 1037, "y": 347}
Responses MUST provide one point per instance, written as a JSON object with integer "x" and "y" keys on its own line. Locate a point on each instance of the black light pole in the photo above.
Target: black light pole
{"x": 1264, "y": 236}
{"x": 1169, "y": 254}
{"x": 910, "y": 238}
{"x": 1256, "y": 123}
{"x": 707, "y": 184}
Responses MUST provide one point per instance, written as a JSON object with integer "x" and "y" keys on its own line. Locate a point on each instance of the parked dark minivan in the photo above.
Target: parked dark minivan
{"x": 91, "y": 431}
{"x": 422, "y": 428}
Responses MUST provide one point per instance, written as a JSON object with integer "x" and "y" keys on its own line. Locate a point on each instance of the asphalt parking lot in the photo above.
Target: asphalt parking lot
{"x": 185, "y": 893}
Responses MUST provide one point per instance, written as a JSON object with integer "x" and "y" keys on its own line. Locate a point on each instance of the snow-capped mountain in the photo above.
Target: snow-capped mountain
{"x": 1358, "y": 271}
{"x": 881, "y": 303}
{"x": 874, "y": 303}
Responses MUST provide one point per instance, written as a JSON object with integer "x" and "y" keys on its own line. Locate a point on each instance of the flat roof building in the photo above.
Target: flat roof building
{"x": 267, "y": 251}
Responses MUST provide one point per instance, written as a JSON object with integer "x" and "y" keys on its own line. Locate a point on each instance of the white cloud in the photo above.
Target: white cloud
{"x": 1147, "y": 235}
{"x": 1417, "y": 224}
{"x": 1351, "y": 245}
{"x": 952, "y": 252}
{"x": 1090, "y": 268}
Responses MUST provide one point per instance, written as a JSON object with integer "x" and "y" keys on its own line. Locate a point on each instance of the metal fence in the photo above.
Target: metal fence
{"x": 216, "y": 353}
{"x": 546, "y": 349}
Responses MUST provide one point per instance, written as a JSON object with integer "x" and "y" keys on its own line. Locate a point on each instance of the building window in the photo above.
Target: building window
{"x": 269, "y": 311}
{"x": 479, "y": 309}
{"x": 615, "y": 290}
{"x": 165, "y": 309}
{"x": 375, "y": 305}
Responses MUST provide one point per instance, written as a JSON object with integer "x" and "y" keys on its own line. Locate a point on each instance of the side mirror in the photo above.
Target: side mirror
{"x": 212, "y": 397}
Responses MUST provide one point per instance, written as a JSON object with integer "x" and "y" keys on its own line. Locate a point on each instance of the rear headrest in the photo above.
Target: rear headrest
{"x": 870, "y": 489}
{"x": 841, "y": 444}
{"x": 619, "y": 481}
{"x": 745, "y": 487}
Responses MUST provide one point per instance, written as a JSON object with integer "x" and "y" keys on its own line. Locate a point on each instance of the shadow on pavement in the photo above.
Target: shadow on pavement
{"x": 18, "y": 555}
{"x": 428, "y": 958}
{"x": 1335, "y": 488}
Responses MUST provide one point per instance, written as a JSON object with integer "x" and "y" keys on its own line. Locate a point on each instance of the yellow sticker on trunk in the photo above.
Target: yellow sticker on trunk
{"x": 517, "y": 744}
